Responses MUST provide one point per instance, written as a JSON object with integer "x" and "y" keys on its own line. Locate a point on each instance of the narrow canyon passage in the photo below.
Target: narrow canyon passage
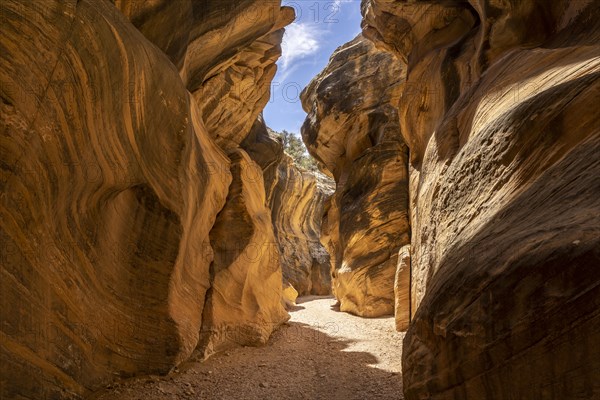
{"x": 320, "y": 353}
{"x": 184, "y": 183}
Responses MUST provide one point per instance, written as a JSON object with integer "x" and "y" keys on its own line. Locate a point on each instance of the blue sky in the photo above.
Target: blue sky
{"x": 320, "y": 27}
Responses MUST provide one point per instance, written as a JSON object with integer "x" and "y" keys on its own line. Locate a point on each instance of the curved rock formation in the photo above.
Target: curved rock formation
{"x": 296, "y": 199}
{"x": 112, "y": 181}
{"x": 499, "y": 112}
{"x": 228, "y": 64}
{"x": 226, "y": 52}
{"x": 204, "y": 38}
{"x": 352, "y": 128}
{"x": 244, "y": 302}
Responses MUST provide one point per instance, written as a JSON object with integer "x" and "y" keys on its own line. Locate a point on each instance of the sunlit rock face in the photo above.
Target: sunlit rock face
{"x": 112, "y": 180}
{"x": 226, "y": 53}
{"x": 244, "y": 303}
{"x": 500, "y": 113}
{"x": 296, "y": 199}
{"x": 352, "y": 128}
{"x": 245, "y": 299}
{"x": 228, "y": 65}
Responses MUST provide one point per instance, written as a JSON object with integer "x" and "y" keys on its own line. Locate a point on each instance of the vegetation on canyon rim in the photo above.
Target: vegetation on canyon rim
{"x": 296, "y": 149}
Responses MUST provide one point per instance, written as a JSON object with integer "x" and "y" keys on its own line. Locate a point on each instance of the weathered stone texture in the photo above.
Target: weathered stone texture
{"x": 296, "y": 199}
{"x": 500, "y": 114}
{"x": 352, "y": 128}
{"x": 112, "y": 180}
{"x": 244, "y": 302}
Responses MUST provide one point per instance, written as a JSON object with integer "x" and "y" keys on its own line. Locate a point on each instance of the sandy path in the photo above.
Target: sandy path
{"x": 320, "y": 354}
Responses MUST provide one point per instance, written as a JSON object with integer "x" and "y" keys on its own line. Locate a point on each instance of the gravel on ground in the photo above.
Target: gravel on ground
{"x": 321, "y": 353}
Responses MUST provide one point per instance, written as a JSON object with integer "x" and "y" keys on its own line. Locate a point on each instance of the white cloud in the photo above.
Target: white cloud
{"x": 338, "y": 3}
{"x": 300, "y": 40}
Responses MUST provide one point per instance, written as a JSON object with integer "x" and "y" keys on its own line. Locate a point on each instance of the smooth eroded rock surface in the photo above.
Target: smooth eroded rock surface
{"x": 107, "y": 202}
{"x": 352, "y": 128}
{"x": 500, "y": 114}
{"x": 244, "y": 303}
{"x": 112, "y": 179}
{"x": 296, "y": 199}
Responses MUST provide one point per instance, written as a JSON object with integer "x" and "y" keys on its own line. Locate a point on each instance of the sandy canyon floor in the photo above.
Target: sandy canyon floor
{"x": 320, "y": 353}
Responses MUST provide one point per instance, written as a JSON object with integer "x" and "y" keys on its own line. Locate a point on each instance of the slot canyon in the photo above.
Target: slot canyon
{"x": 438, "y": 238}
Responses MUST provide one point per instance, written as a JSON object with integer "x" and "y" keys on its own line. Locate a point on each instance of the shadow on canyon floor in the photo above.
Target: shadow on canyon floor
{"x": 314, "y": 356}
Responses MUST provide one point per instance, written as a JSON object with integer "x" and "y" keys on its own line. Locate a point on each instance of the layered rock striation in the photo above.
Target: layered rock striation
{"x": 296, "y": 199}
{"x": 499, "y": 112}
{"x": 135, "y": 226}
{"x": 244, "y": 302}
{"x": 103, "y": 180}
{"x": 352, "y": 129}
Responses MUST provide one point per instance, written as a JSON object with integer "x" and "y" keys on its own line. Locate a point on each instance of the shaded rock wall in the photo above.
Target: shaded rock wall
{"x": 499, "y": 112}
{"x": 102, "y": 182}
{"x": 244, "y": 300}
{"x": 112, "y": 180}
{"x": 296, "y": 199}
{"x": 352, "y": 129}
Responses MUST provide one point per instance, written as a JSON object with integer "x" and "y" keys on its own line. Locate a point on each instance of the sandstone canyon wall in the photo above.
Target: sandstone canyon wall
{"x": 296, "y": 199}
{"x": 297, "y": 202}
{"x": 499, "y": 111}
{"x": 352, "y": 129}
{"x": 134, "y": 229}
